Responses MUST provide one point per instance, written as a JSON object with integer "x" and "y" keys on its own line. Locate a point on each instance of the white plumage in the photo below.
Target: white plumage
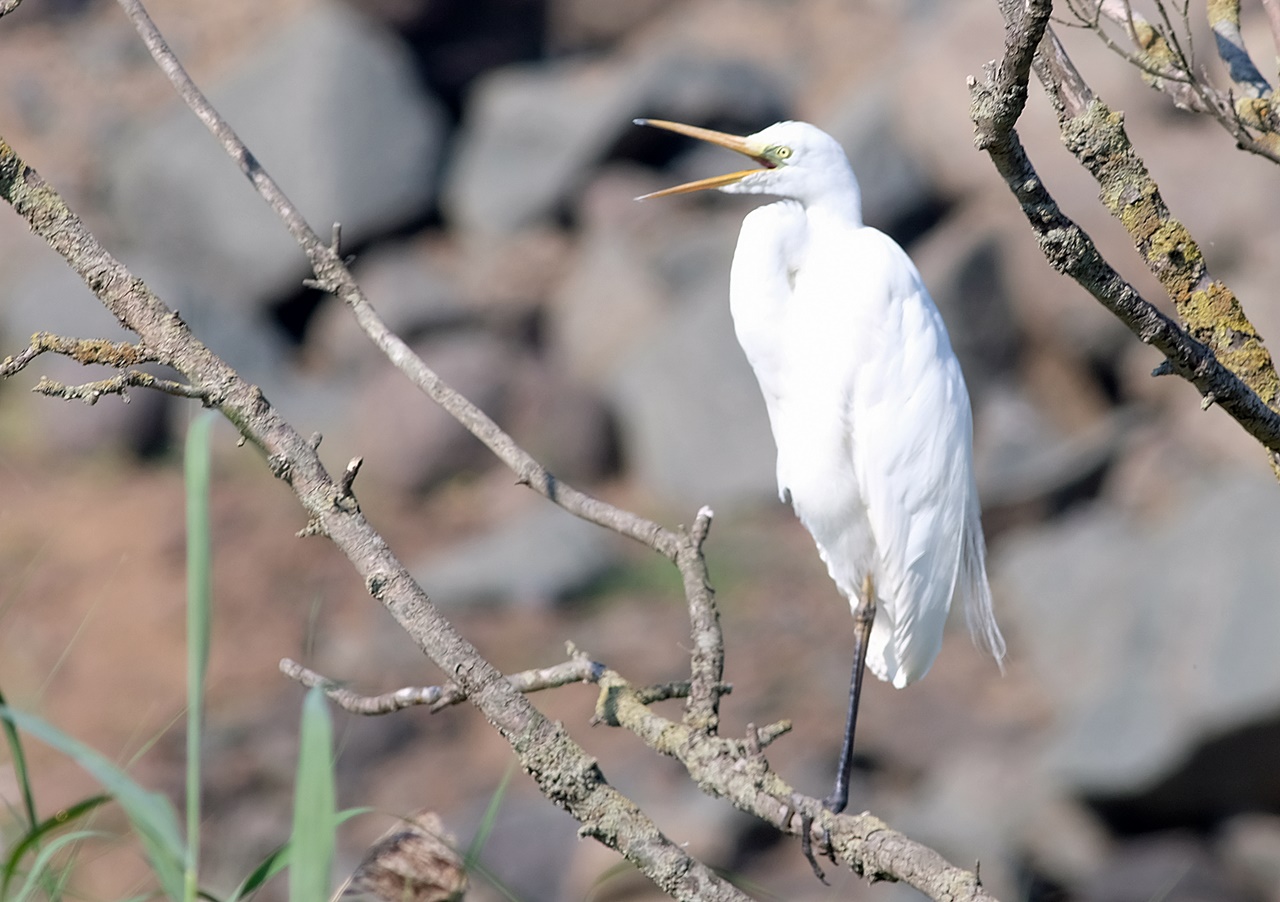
{"x": 865, "y": 396}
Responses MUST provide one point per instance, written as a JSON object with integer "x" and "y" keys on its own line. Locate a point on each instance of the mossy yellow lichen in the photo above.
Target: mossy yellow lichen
{"x": 1212, "y": 307}
{"x": 1223, "y": 11}
{"x": 1213, "y": 315}
{"x": 1172, "y": 240}
{"x": 1142, "y": 217}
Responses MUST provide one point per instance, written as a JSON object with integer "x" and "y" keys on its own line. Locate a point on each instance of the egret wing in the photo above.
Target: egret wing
{"x": 761, "y": 286}
{"x": 912, "y": 452}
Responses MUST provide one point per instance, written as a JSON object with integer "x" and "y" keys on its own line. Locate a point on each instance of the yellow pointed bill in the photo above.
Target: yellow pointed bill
{"x": 723, "y": 139}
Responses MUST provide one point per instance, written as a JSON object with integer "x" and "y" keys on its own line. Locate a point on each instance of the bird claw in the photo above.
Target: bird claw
{"x": 795, "y": 806}
{"x": 806, "y": 845}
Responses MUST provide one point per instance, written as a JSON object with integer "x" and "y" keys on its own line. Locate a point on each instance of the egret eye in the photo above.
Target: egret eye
{"x": 782, "y": 153}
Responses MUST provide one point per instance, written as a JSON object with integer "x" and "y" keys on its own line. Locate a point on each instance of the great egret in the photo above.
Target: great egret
{"x": 866, "y": 399}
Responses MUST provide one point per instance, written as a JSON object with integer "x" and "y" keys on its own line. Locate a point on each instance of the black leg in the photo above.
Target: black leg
{"x": 863, "y": 616}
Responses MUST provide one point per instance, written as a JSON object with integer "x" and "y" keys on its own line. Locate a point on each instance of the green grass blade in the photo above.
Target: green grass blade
{"x": 488, "y": 820}
{"x": 277, "y": 861}
{"x": 20, "y": 770}
{"x": 44, "y": 859}
{"x": 150, "y": 813}
{"x": 273, "y": 864}
{"x": 34, "y": 837}
{"x": 314, "y": 803}
{"x": 476, "y": 869}
{"x": 199, "y": 606}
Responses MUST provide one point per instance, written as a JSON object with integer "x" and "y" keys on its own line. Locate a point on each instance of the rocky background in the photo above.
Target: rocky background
{"x": 481, "y": 159}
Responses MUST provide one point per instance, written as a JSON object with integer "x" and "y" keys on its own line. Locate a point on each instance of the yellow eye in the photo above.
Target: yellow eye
{"x": 782, "y": 153}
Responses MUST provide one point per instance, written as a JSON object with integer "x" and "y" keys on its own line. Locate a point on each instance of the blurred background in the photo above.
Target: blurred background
{"x": 481, "y": 159}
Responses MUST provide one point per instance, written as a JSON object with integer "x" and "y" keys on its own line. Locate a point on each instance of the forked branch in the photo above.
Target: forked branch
{"x": 578, "y": 669}
{"x": 561, "y": 768}
{"x": 1215, "y": 347}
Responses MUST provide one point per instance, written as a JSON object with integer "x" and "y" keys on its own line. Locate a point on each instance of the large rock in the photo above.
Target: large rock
{"x": 411, "y": 295}
{"x": 331, "y": 108}
{"x": 898, "y": 193}
{"x": 1156, "y": 639}
{"x": 693, "y": 423}
{"x": 613, "y": 295}
{"x": 1024, "y": 460}
{"x": 564, "y": 425}
{"x": 536, "y": 558}
{"x": 587, "y": 24}
{"x": 963, "y": 265}
{"x": 644, "y": 317}
{"x": 429, "y": 446}
{"x": 534, "y": 133}
{"x": 610, "y": 301}
{"x": 1169, "y": 866}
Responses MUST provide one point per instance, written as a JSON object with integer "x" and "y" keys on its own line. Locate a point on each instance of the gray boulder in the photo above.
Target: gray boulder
{"x": 1155, "y": 638}
{"x": 413, "y": 297}
{"x": 535, "y": 558}
{"x": 426, "y": 445}
{"x": 331, "y": 108}
{"x": 897, "y": 188}
{"x": 535, "y": 133}
{"x": 693, "y": 424}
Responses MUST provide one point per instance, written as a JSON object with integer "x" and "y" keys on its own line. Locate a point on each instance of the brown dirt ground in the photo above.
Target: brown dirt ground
{"x": 92, "y": 633}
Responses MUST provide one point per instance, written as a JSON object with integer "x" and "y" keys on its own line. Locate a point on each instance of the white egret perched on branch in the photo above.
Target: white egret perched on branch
{"x": 866, "y": 399}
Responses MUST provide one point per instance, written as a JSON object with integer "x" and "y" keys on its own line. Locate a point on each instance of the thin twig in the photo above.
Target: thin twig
{"x": 96, "y": 351}
{"x": 702, "y": 711}
{"x": 565, "y": 773}
{"x": 92, "y": 392}
{"x": 578, "y": 669}
{"x": 997, "y": 103}
{"x": 1166, "y": 66}
{"x": 347, "y": 484}
{"x": 1224, "y": 19}
{"x": 16, "y": 363}
{"x": 333, "y": 276}
{"x": 88, "y": 351}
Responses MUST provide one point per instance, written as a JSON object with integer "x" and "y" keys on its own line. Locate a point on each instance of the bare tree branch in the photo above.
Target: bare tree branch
{"x": 118, "y": 354}
{"x": 1224, "y": 20}
{"x": 89, "y": 351}
{"x": 92, "y": 392}
{"x": 1219, "y": 351}
{"x": 736, "y": 770}
{"x": 332, "y": 275}
{"x": 1250, "y": 117}
{"x": 563, "y": 771}
{"x": 579, "y": 669}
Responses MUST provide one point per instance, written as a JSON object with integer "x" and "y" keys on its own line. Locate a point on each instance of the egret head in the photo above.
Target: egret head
{"x": 797, "y": 160}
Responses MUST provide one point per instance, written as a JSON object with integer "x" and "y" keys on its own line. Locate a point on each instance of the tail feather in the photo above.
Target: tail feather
{"x": 976, "y": 592}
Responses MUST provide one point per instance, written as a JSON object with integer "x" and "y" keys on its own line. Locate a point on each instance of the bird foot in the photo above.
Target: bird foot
{"x": 806, "y": 838}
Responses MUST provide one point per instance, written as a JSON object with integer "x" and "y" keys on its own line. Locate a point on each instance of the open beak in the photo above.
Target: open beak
{"x": 733, "y": 142}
